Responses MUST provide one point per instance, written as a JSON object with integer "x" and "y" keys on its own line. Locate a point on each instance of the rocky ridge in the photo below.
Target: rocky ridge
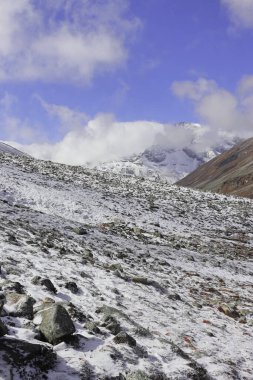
{"x": 228, "y": 173}
{"x": 109, "y": 277}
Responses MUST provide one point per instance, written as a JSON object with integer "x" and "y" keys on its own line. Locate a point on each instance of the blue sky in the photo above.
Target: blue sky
{"x": 63, "y": 64}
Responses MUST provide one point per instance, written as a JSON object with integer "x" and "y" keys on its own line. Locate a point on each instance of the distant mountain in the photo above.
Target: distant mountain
{"x": 172, "y": 163}
{"x": 5, "y": 148}
{"x": 229, "y": 173}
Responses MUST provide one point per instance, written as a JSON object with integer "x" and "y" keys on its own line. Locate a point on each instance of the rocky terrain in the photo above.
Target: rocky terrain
{"x": 228, "y": 173}
{"x": 105, "y": 276}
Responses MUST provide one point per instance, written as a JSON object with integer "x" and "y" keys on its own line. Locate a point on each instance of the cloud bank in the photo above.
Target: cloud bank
{"x": 105, "y": 139}
{"x": 240, "y": 12}
{"x": 225, "y": 113}
{"x": 62, "y": 40}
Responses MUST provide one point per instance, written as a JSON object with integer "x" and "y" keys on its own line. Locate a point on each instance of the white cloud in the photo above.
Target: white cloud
{"x": 227, "y": 114}
{"x": 105, "y": 139}
{"x": 246, "y": 85}
{"x": 62, "y": 40}
{"x": 68, "y": 119}
{"x": 193, "y": 90}
{"x": 240, "y": 12}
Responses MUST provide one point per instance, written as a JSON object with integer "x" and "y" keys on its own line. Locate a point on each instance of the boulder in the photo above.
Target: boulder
{"x": 19, "y": 305}
{"x": 56, "y": 324}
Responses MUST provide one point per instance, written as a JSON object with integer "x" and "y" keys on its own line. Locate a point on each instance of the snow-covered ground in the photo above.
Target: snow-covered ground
{"x": 172, "y": 266}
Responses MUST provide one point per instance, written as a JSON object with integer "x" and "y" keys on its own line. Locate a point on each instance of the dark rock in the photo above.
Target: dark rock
{"x": 80, "y": 231}
{"x": 75, "y": 313}
{"x": 142, "y": 331}
{"x": 142, "y": 280}
{"x": 63, "y": 251}
{"x": 3, "y": 329}
{"x": 71, "y": 285}
{"x": 124, "y": 338}
{"x": 48, "y": 284}
{"x": 56, "y": 324}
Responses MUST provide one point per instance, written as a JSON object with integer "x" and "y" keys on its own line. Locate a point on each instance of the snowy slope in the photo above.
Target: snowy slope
{"x": 5, "y": 148}
{"x": 174, "y": 264}
{"x": 172, "y": 163}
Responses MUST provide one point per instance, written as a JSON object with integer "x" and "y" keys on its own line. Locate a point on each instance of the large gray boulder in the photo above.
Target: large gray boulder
{"x": 56, "y": 324}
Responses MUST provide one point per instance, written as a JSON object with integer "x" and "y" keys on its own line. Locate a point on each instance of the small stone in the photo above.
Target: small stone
{"x": 48, "y": 284}
{"x": 111, "y": 324}
{"x": 81, "y": 231}
{"x": 141, "y": 280}
{"x": 124, "y": 338}
{"x": 36, "y": 280}
{"x": 93, "y": 327}
{"x": 71, "y": 285}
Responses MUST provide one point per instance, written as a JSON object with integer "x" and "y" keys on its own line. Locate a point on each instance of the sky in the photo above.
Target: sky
{"x": 91, "y": 80}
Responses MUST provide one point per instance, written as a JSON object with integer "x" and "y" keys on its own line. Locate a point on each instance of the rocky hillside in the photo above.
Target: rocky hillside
{"x": 229, "y": 173}
{"x": 113, "y": 277}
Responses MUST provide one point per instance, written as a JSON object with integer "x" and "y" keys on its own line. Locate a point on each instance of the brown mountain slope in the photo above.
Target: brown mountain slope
{"x": 229, "y": 173}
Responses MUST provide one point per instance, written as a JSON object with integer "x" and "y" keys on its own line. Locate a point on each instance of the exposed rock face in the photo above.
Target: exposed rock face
{"x": 56, "y": 324}
{"x": 229, "y": 173}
